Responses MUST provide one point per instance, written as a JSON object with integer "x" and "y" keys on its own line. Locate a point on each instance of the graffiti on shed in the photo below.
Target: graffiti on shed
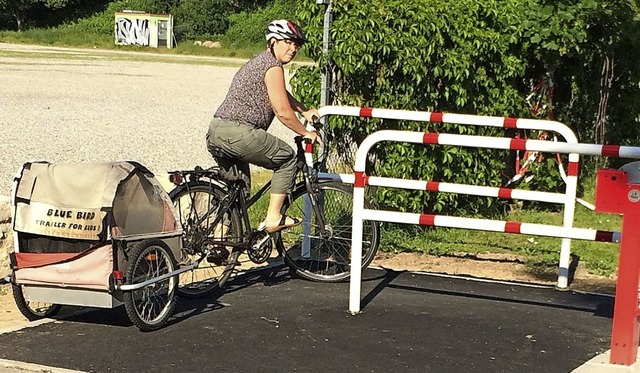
{"x": 144, "y": 29}
{"x": 132, "y": 31}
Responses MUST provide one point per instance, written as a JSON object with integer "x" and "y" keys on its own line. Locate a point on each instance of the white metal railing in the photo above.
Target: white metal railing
{"x": 362, "y": 180}
{"x": 568, "y": 198}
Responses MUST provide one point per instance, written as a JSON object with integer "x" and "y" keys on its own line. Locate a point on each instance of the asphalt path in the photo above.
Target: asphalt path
{"x": 271, "y": 321}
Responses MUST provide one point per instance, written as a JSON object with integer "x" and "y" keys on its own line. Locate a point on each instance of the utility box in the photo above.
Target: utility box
{"x": 144, "y": 29}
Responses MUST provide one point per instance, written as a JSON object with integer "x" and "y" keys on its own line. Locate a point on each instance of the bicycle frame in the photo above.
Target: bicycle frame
{"x": 235, "y": 197}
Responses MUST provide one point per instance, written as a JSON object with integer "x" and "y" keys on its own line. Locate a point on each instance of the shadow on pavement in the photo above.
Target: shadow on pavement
{"x": 546, "y": 296}
{"x": 272, "y": 321}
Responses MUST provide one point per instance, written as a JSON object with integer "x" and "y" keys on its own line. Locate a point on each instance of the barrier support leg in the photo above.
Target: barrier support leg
{"x": 356, "y": 251}
{"x": 614, "y": 194}
{"x": 563, "y": 267}
{"x": 625, "y": 332}
{"x": 569, "y": 213}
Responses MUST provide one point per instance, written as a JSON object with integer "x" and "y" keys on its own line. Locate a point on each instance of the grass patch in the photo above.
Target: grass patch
{"x": 541, "y": 254}
{"x": 68, "y": 37}
{"x": 258, "y": 211}
{"x": 61, "y": 37}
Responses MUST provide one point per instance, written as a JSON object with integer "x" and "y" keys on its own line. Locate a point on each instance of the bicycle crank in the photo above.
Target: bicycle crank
{"x": 260, "y": 247}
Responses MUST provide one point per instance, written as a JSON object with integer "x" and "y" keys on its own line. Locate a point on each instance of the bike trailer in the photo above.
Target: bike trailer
{"x": 94, "y": 234}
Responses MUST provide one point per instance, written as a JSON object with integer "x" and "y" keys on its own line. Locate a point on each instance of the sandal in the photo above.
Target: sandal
{"x": 283, "y": 224}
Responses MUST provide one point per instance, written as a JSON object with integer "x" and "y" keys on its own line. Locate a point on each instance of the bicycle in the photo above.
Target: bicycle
{"x": 217, "y": 228}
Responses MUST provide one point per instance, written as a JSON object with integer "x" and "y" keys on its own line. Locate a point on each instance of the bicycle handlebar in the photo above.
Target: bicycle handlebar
{"x": 317, "y": 126}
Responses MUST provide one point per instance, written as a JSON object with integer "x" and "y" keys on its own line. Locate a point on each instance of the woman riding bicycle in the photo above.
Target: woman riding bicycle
{"x": 238, "y": 132}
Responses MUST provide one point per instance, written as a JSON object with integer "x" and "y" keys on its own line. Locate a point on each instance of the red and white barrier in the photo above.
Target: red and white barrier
{"x": 362, "y": 180}
{"x": 568, "y": 198}
{"x": 618, "y": 192}
{"x": 490, "y": 225}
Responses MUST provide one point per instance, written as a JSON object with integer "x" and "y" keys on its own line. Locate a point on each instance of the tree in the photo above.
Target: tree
{"x": 247, "y": 28}
{"x": 469, "y": 57}
{"x": 18, "y": 9}
{"x": 209, "y": 18}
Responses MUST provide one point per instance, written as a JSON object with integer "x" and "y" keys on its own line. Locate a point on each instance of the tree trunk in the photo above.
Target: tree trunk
{"x": 606, "y": 82}
{"x": 19, "y": 16}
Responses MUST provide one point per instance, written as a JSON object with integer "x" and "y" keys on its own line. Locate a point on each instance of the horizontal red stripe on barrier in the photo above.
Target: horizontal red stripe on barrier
{"x": 308, "y": 148}
{"x": 436, "y": 117}
{"x": 512, "y": 227}
{"x": 433, "y": 186}
{"x": 611, "y": 150}
{"x": 518, "y": 144}
{"x": 365, "y": 112}
{"x": 361, "y": 180}
{"x": 430, "y": 138}
{"x": 510, "y": 122}
{"x": 504, "y": 193}
{"x": 427, "y": 219}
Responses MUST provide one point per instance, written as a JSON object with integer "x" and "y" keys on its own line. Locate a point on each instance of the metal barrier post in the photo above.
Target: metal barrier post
{"x": 356, "y": 242}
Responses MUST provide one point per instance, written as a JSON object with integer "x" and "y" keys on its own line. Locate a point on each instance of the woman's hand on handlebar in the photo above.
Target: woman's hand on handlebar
{"x": 313, "y": 137}
{"x": 311, "y": 115}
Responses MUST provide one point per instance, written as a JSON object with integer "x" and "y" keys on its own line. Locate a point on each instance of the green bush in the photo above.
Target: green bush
{"x": 247, "y": 29}
{"x": 103, "y": 22}
{"x": 469, "y": 57}
{"x": 201, "y": 19}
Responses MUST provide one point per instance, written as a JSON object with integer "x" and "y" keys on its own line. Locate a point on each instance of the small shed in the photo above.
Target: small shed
{"x": 144, "y": 29}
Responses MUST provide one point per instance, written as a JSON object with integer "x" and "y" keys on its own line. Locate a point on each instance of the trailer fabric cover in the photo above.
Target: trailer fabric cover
{"x": 89, "y": 270}
{"x": 66, "y": 215}
{"x": 73, "y": 201}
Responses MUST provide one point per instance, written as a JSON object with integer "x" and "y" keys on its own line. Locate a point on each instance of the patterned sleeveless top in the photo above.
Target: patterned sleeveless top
{"x": 247, "y": 100}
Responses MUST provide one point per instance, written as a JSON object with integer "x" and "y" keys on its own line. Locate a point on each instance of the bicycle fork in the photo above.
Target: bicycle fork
{"x": 314, "y": 202}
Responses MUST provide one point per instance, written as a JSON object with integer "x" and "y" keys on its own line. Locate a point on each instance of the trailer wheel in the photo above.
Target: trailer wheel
{"x": 33, "y": 310}
{"x": 150, "y": 306}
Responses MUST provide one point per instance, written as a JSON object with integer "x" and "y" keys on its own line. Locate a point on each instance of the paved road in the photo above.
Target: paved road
{"x": 272, "y": 322}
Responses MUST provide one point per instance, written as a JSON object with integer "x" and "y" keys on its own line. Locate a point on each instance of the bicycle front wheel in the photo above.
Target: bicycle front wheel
{"x": 320, "y": 256}
{"x": 197, "y": 205}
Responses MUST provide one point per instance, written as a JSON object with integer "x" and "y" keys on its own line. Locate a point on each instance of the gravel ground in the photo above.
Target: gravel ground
{"x": 71, "y": 105}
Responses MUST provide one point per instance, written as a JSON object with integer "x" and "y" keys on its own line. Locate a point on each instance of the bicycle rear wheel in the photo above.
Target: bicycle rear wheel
{"x": 197, "y": 206}
{"x": 319, "y": 258}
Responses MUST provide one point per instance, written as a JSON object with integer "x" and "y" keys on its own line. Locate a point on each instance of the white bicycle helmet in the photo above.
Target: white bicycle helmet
{"x": 283, "y": 29}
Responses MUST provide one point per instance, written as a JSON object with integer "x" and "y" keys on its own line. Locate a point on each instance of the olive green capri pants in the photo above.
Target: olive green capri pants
{"x": 233, "y": 143}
